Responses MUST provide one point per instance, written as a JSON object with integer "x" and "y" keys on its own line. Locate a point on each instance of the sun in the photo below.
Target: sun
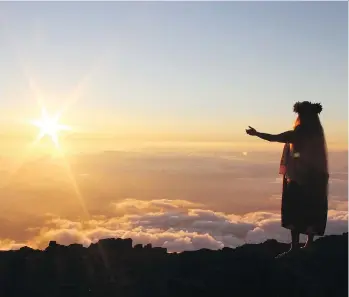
{"x": 49, "y": 126}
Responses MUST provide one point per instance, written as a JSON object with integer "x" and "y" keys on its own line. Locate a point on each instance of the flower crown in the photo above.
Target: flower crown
{"x": 307, "y": 107}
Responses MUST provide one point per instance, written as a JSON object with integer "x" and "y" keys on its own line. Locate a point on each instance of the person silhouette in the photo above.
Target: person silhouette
{"x": 304, "y": 168}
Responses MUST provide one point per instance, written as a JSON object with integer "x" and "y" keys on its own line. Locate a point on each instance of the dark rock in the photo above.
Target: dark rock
{"x": 113, "y": 268}
{"x": 52, "y": 244}
{"x": 138, "y": 247}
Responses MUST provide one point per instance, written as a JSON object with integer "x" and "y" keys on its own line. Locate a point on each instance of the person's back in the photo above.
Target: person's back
{"x": 314, "y": 154}
{"x": 310, "y": 146}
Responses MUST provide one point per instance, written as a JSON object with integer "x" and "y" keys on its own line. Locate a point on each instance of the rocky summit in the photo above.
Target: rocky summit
{"x": 114, "y": 267}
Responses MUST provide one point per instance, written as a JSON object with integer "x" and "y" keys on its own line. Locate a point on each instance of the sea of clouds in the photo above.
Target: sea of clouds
{"x": 212, "y": 201}
{"x": 177, "y": 225}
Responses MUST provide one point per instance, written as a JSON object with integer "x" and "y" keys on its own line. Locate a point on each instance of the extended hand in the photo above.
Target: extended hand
{"x": 251, "y": 131}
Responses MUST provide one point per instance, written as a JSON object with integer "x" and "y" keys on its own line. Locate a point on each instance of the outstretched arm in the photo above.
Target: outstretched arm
{"x": 285, "y": 137}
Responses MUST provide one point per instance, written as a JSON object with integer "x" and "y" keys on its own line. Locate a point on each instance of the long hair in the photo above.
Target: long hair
{"x": 311, "y": 131}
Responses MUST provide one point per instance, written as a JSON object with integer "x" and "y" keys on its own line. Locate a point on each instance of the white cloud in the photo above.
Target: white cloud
{"x": 337, "y": 222}
{"x": 8, "y": 244}
{"x": 134, "y": 206}
{"x": 175, "y": 226}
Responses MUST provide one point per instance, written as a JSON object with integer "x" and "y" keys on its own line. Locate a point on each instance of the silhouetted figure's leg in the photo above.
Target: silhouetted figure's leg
{"x": 294, "y": 244}
{"x": 295, "y": 240}
{"x": 310, "y": 241}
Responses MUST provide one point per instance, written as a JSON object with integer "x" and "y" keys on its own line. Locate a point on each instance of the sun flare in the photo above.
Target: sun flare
{"x": 49, "y": 126}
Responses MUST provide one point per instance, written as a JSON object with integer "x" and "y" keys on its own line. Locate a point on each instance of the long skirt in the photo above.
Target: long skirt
{"x": 304, "y": 207}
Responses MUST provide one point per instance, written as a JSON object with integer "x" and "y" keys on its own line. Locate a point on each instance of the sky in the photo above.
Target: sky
{"x": 157, "y": 96}
{"x": 175, "y": 71}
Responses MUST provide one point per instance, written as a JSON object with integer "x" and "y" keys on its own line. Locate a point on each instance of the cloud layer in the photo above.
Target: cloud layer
{"x": 177, "y": 225}
{"x": 227, "y": 199}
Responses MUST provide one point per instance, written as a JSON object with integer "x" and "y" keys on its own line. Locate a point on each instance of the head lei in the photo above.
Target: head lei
{"x": 307, "y": 107}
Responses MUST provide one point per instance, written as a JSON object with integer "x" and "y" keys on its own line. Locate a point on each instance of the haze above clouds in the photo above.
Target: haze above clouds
{"x": 175, "y": 200}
